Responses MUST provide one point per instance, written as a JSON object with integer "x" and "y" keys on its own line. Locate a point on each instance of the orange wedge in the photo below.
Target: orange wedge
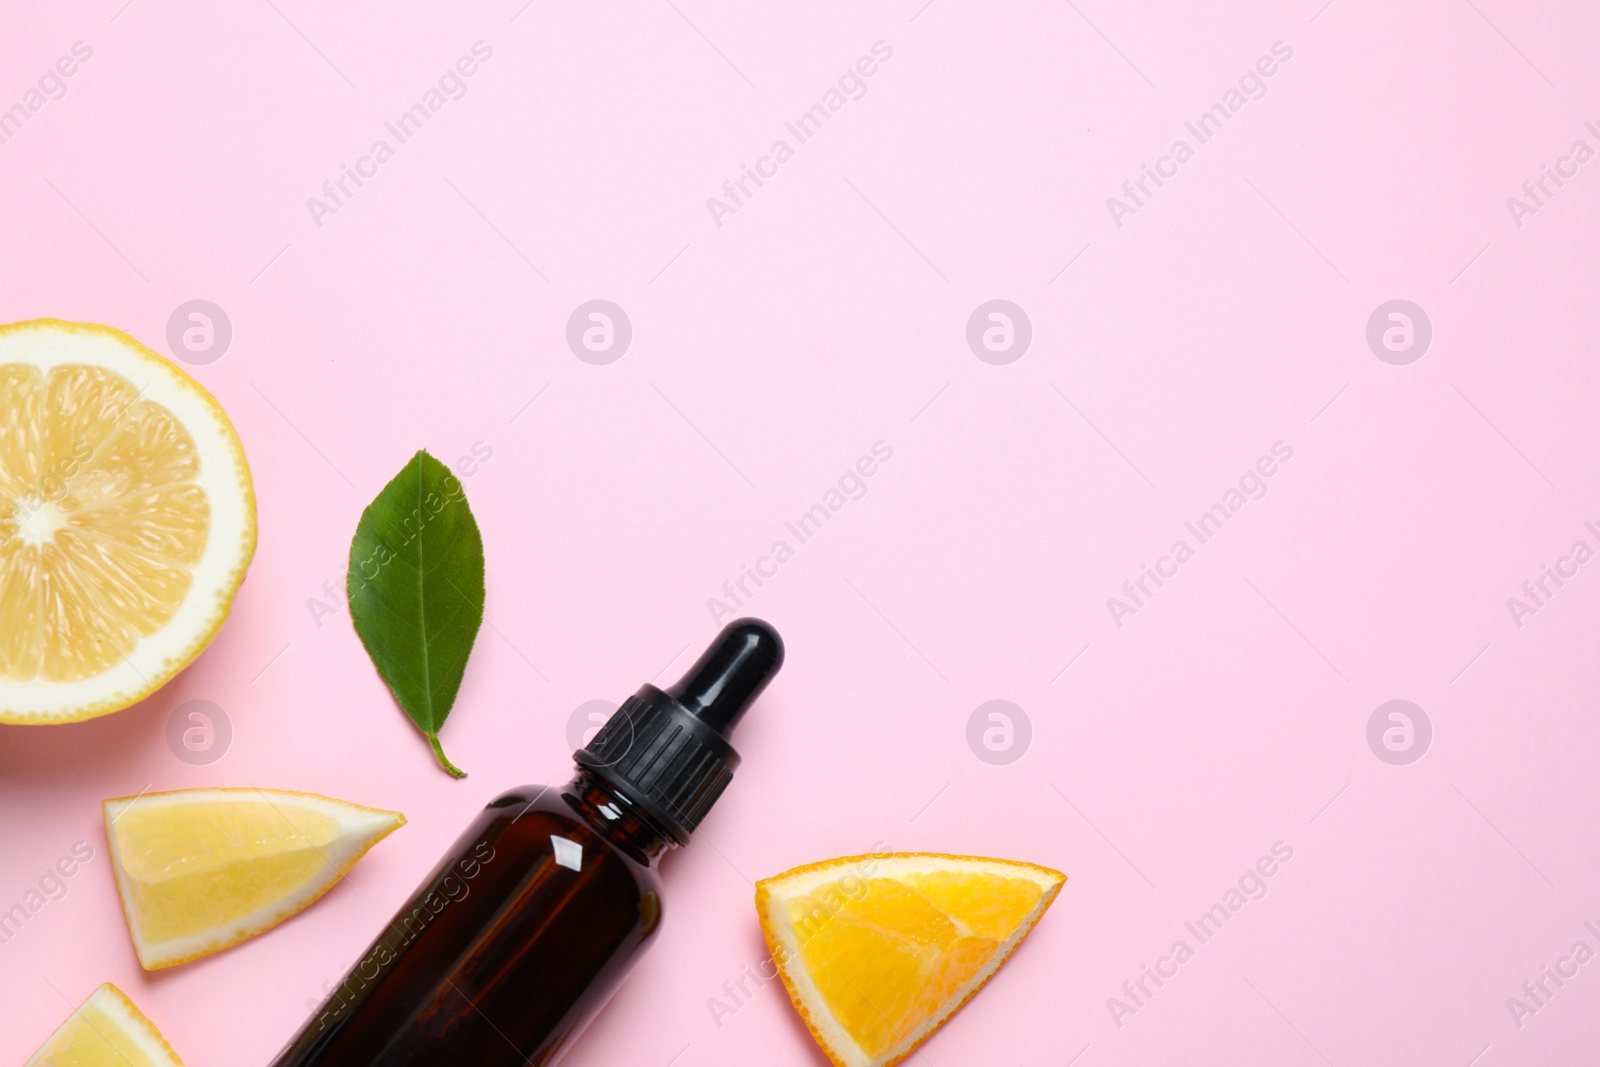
{"x": 878, "y": 951}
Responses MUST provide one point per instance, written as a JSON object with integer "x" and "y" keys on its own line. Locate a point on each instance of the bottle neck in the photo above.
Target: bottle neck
{"x": 616, "y": 819}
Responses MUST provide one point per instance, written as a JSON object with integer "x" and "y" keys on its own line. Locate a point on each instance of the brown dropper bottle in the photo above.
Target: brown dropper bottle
{"x": 525, "y": 929}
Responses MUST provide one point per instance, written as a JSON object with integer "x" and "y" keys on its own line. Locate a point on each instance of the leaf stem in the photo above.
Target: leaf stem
{"x": 444, "y": 761}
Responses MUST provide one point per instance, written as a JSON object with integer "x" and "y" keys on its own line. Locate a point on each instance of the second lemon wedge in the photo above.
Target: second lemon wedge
{"x": 106, "y": 1031}
{"x": 202, "y": 869}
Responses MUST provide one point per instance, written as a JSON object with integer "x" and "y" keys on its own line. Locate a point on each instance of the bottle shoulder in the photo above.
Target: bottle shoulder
{"x": 531, "y": 798}
{"x": 550, "y": 820}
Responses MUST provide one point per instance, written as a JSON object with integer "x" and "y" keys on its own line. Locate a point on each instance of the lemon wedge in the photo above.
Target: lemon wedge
{"x": 200, "y": 870}
{"x": 127, "y": 519}
{"x": 106, "y": 1031}
{"x": 878, "y": 951}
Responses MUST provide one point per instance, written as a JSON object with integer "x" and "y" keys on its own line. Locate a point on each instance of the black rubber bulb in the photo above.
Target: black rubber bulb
{"x": 728, "y": 677}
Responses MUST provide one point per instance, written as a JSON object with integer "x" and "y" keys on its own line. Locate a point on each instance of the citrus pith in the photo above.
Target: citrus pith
{"x": 106, "y": 1031}
{"x": 877, "y": 951}
{"x": 127, "y": 520}
{"x": 200, "y": 870}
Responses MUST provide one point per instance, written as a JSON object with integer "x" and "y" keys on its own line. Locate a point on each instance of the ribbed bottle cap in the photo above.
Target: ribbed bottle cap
{"x": 667, "y": 751}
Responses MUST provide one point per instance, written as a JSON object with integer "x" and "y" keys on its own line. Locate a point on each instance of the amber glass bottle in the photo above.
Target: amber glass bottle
{"x": 527, "y": 927}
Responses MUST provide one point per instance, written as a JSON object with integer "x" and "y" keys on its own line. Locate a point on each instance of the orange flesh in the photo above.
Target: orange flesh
{"x": 887, "y": 954}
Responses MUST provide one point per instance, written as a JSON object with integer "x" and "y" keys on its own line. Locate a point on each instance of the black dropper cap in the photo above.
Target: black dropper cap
{"x": 667, "y": 751}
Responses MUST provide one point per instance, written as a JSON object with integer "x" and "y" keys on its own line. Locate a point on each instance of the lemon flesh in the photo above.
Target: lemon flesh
{"x": 106, "y": 1031}
{"x": 202, "y": 869}
{"x": 127, "y": 520}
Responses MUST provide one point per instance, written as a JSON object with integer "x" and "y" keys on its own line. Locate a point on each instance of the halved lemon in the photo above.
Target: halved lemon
{"x": 199, "y": 870}
{"x": 106, "y": 1031}
{"x": 127, "y": 519}
{"x": 877, "y": 951}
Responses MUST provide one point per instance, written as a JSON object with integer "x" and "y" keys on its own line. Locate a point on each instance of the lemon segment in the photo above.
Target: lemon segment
{"x": 200, "y": 870}
{"x": 877, "y": 952}
{"x": 127, "y": 520}
{"x": 106, "y": 1031}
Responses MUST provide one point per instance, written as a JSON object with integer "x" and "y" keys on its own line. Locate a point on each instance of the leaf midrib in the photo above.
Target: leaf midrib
{"x": 422, "y": 604}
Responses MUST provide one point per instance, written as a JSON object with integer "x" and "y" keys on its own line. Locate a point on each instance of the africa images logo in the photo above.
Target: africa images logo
{"x": 451, "y": 85}
{"x": 51, "y": 85}
{"x": 1252, "y": 485}
{"x": 1251, "y": 85}
{"x": 851, "y": 85}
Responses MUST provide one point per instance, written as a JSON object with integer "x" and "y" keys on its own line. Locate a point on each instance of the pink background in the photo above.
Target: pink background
{"x": 828, "y": 313}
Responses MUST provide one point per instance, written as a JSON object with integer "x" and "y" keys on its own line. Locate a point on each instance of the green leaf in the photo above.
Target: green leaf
{"x": 416, "y": 590}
